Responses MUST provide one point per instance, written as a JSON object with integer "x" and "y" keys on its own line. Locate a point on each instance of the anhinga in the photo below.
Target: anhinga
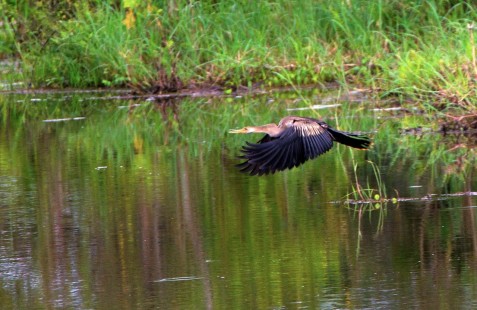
{"x": 292, "y": 142}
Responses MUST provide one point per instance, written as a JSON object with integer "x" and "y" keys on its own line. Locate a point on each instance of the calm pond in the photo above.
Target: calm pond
{"x": 134, "y": 204}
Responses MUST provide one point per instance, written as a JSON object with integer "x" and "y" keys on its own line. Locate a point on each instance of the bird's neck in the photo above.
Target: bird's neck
{"x": 271, "y": 129}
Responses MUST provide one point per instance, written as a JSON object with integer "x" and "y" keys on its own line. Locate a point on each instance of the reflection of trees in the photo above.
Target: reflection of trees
{"x": 429, "y": 245}
{"x": 169, "y": 234}
{"x": 464, "y": 242}
{"x": 192, "y": 225}
{"x": 168, "y": 207}
{"x": 57, "y": 244}
{"x": 100, "y": 234}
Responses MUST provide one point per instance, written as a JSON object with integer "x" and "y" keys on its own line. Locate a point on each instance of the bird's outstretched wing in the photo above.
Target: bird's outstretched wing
{"x": 298, "y": 143}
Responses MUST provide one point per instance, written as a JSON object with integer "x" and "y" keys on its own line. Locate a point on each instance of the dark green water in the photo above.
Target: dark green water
{"x": 143, "y": 209}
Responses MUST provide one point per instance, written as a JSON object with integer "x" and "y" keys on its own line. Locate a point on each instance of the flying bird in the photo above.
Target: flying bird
{"x": 291, "y": 143}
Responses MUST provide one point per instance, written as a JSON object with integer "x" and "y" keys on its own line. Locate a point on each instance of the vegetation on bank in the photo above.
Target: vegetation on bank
{"x": 406, "y": 47}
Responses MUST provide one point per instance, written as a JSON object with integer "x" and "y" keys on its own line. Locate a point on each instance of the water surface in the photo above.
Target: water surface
{"x": 141, "y": 207}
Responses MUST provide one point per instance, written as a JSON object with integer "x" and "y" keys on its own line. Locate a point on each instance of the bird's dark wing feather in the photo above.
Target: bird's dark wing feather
{"x": 296, "y": 144}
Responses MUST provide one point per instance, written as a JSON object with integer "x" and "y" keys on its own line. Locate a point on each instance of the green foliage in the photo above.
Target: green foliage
{"x": 403, "y": 47}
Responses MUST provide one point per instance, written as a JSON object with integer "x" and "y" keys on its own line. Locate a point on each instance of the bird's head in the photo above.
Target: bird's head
{"x": 270, "y": 129}
{"x": 243, "y": 130}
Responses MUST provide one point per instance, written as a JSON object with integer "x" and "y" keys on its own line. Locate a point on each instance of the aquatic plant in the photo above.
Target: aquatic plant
{"x": 366, "y": 197}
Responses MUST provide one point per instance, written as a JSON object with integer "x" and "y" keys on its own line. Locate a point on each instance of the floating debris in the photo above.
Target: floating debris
{"x": 389, "y": 109}
{"x": 316, "y": 107}
{"x": 54, "y": 120}
{"x": 460, "y": 194}
{"x": 101, "y": 168}
{"x": 133, "y": 105}
{"x": 177, "y": 279}
{"x": 11, "y": 86}
{"x": 428, "y": 197}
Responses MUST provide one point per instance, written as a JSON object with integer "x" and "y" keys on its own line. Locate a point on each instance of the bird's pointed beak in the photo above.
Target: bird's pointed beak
{"x": 243, "y": 130}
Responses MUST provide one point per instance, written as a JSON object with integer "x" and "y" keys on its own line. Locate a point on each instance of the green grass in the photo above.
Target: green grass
{"x": 420, "y": 49}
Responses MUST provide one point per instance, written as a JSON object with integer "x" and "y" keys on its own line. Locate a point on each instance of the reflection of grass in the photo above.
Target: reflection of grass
{"x": 201, "y": 124}
{"x": 366, "y": 198}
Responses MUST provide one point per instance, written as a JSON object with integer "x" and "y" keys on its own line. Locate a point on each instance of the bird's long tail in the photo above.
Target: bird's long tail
{"x": 350, "y": 139}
